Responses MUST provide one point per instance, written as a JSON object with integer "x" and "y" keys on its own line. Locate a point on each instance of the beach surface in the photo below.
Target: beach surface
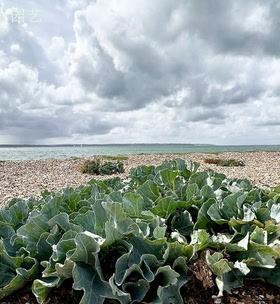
{"x": 30, "y": 178}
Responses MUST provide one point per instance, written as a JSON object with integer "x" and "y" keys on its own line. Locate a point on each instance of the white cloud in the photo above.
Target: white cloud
{"x": 142, "y": 71}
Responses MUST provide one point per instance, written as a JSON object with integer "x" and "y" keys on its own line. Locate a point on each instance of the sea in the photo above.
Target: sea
{"x": 68, "y": 151}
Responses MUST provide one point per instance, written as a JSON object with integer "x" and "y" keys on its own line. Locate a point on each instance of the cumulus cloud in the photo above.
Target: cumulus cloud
{"x": 142, "y": 71}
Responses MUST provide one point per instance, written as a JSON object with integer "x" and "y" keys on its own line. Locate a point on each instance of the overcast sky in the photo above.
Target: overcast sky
{"x": 122, "y": 71}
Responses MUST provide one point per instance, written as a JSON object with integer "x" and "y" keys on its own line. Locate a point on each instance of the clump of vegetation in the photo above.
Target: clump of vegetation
{"x": 98, "y": 167}
{"x": 225, "y": 162}
{"x": 115, "y": 158}
{"x": 74, "y": 158}
{"x": 136, "y": 240}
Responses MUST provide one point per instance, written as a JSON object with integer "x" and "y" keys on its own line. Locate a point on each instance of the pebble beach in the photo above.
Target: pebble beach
{"x": 30, "y": 178}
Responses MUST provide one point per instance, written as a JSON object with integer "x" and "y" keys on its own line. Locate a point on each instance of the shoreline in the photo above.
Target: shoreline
{"x": 25, "y": 178}
{"x": 65, "y": 152}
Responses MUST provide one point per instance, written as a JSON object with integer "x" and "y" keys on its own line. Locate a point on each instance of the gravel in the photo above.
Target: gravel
{"x": 30, "y": 178}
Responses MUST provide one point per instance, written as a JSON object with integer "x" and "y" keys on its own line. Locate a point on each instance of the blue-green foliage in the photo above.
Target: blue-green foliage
{"x": 132, "y": 240}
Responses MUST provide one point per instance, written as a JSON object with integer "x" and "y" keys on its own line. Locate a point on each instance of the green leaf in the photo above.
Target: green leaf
{"x": 218, "y": 264}
{"x": 229, "y": 280}
{"x": 271, "y": 276}
{"x": 86, "y": 221}
{"x": 100, "y": 218}
{"x": 65, "y": 244}
{"x": 249, "y": 215}
{"x": 15, "y": 272}
{"x": 241, "y": 245}
{"x": 19, "y": 213}
{"x": 203, "y": 219}
{"x": 242, "y": 267}
{"x": 182, "y": 222}
{"x": 176, "y": 249}
{"x": 167, "y": 276}
{"x": 199, "y": 178}
{"x": 133, "y": 204}
{"x": 275, "y": 213}
{"x": 170, "y": 295}
{"x": 214, "y": 212}
{"x": 191, "y": 192}
{"x": 87, "y": 248}
{"x": 230, "y": 206}
{"x": 41, "y": 288}
{"x": 87, "y": 279}
{"x": 31, "y": 232}
{"x": 150, "y": 192}
{"x": 165, "y": 206}
{"x": 167, "y": 178}
{"x": 260, "y": 256}
{"x": 159, "y": 232}
{"x": 200, "y": 239}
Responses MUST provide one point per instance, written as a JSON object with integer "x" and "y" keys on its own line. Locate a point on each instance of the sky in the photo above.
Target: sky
{"x": 141, "y": 71}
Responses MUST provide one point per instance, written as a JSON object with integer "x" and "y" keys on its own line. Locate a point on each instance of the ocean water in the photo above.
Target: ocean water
{"x": 61, "y": 152}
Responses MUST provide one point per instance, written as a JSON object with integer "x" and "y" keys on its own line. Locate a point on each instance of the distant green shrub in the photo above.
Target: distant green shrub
{"x": 225, "y": 162}
{"x": 74, "y": 158}
{"x": 115, "y": 158}
{"x": 97, "y": 167}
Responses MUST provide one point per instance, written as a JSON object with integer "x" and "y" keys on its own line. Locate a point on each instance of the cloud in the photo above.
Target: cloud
{"x": 142, "y": 71}
{"x": 32, "y": 110}
{"x": 131, "y": 61}
{"x": 20, "y": 44}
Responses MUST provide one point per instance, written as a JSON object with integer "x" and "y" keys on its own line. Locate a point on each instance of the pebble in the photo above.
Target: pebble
{"x": 270, "y": 297}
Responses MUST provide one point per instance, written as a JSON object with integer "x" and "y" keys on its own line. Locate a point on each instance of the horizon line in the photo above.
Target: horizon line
{"x": 126, "y": 144}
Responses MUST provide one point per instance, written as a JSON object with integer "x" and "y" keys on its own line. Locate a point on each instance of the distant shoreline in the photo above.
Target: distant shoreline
{"x": 132, "y": 144}
{"x": 31, "y": 152}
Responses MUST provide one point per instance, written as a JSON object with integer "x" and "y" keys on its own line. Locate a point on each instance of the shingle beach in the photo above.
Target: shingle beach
{"x": 30, "y": 178}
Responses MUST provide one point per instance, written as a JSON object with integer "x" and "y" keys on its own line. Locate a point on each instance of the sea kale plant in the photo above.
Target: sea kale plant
{"x": 134, "y": 240}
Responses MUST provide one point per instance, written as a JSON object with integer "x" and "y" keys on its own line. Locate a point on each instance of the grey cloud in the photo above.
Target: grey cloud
{"x": 202, "y": 115}
{"x": 274, "y": 123}
{"x": 130, "y": 72}
{"x": 142, "y": 80}
{"x": 34, "y": 126}
{"x": 221, "y": 24}
{"x": 101, "y": 77}
{"x": 29, "y": 52}
{"x": 28, "y": 110}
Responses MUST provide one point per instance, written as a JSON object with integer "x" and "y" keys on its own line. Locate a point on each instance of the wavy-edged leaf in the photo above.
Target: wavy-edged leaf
{"x": 16, "y": 272}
